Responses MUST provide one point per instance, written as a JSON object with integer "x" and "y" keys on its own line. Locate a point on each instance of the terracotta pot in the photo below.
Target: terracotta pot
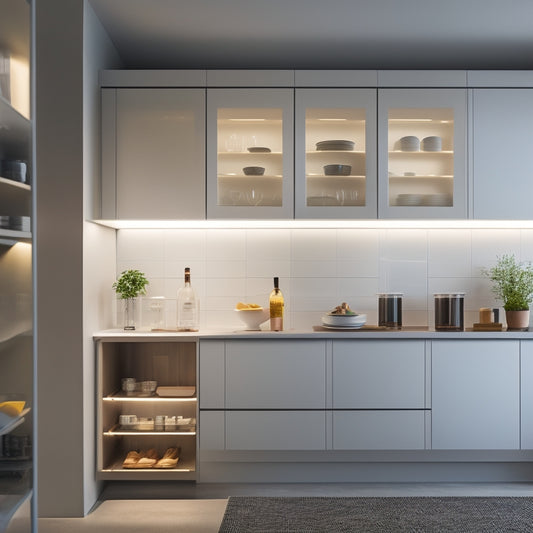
{"x": 517, "y": 320}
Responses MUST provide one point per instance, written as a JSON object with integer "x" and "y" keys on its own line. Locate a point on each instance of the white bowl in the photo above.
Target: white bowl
{"x": 253, "y": 318}
{"x": 344, "y": 320}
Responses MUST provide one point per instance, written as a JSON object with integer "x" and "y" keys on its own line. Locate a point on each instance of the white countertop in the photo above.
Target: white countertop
{"x": 315, "y": 332}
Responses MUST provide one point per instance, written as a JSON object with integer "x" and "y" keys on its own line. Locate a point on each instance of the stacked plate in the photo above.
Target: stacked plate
{"x": 15, "y": 223}
{"x": 432, "y": 144}
{"x": 410, "y": 199}
{"x": 444, "y": 200}
{"x": 331, "y": 321}
{"x": 335, "y": 145}
{"x": 410, "y": 143}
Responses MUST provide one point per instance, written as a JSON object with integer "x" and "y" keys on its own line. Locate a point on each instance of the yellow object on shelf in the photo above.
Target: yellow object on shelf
{"x": 12, "y": 408}
{"x": 241, "y": 306}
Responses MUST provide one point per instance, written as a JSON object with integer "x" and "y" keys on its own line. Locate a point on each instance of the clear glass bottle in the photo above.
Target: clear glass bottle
{"x": 188, "y": 306}
{"x": 277, "y": 307}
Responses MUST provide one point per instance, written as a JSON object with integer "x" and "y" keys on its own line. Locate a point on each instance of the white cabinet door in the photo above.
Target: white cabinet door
{"x": 275, "y": 430}
{"x": 374, "y": 374}
{"x": 211, "y": 374}
{"x": 250, "y": 151}
{"x": 153, "y": 154}
{"x": 526, "y": 395}
{"x": 271, "y": 374}
{"x": 379, "y": 430}
{"x": 475, "y": 394}
{"x": 422, "y": 153}
{"x": 502, "y": 155}
{"x": 335, "y": 180}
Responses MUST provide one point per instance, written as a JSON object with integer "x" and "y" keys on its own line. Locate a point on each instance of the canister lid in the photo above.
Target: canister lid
{"x": 449, "y": 295}
{"x": 390, "y": 294}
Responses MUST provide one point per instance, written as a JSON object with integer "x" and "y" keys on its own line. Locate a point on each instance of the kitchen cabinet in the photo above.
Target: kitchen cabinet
{"x": 335, "y": 153}
{"x": 17, "y": 363}
{"x": 250, "y": 153}
{"x": 526, "y": 395}
{"x": 475, "y": 395}
{"x": 379, "y": 395}
{"x": 170, "y": 364}
{"x": 422, "y": 153}
{"x": 153, "y": 153}
{"x": 502, "y": 160}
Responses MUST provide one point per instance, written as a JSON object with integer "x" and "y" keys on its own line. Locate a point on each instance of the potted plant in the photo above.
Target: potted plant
{"x": 129, "y": 286}
{"x": 513, "y": 285}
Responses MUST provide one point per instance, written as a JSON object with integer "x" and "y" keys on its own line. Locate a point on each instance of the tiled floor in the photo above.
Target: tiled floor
{"x": 200, "y": 508}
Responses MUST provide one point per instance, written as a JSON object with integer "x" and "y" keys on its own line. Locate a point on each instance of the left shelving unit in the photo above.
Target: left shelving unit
{"x": 17, "y": 364}
{"x": 161, "y": 421}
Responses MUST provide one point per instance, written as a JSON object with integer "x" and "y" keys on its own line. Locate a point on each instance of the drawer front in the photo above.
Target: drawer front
{"x": 275, "y": 430}
{"x": 275, "y": 374}
{"x": 379, "y": 430}
{"x": 379, "y": 374}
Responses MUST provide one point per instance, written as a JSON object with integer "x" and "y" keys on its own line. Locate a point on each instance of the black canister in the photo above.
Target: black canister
{"x": 390, "y": 309}
{"x": 449, "y": 311}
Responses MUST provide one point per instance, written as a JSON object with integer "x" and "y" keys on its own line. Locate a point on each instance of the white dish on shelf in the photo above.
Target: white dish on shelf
{"x": 175, "y": 391}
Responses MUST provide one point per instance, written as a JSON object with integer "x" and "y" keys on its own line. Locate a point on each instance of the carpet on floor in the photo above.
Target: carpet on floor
{"x": 253, "y": 514}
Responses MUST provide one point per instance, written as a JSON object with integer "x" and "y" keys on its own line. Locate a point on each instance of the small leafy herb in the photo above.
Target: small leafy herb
{"x": 130, "y": 284}
{"x": 513, "y": 283}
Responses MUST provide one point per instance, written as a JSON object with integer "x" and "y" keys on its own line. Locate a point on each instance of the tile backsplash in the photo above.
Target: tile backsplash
{"x": 320, "y": 268}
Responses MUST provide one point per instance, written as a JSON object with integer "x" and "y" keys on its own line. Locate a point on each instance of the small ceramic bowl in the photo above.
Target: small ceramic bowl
{"x": 253, "y": 318}
{"x": 253, "y": 171}
{"x": 337, "y": 170}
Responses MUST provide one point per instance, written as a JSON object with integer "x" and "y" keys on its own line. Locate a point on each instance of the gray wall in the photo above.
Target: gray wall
{"x": 65, "y": 129}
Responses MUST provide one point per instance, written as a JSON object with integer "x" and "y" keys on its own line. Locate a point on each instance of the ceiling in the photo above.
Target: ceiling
{"x": 321, "y": 34}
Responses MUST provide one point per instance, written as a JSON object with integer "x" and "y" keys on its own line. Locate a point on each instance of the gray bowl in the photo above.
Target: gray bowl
{"x": 253, "y": 171}
{"x": 337, "y": 170}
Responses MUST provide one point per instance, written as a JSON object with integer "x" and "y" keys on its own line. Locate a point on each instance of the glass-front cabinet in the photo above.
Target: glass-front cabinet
{"x": 250, "y": 153}
{"x": 335, "y": 146}
{"x": 422, "y": 153}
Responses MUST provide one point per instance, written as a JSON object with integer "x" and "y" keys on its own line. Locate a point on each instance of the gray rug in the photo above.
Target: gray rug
{"x": 378, "y": 514}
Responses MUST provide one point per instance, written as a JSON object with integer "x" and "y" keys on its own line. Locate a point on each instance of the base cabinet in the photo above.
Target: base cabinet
{"x": 476, "y": 395}
{"x": 170, "y": 364}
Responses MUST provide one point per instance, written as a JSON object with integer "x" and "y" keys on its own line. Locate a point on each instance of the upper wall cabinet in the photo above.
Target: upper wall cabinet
{"x": 250, "y": 153}
{"x": 153, "y": 153}
{"x": 422, "y": 153}
{"x": 502, "y": 158}
{"x": 335, "y": 153}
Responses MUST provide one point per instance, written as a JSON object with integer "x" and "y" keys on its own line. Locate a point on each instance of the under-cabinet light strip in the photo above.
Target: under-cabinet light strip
{"x": 317, "y": 224}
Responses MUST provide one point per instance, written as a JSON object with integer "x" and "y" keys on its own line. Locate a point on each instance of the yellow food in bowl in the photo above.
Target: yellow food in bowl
{"x": 12, "y": 408}
{"x": 240, "y": 306}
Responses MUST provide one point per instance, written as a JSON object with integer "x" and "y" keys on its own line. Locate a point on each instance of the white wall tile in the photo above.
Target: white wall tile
{"x": 449, "y": 253}
{"x": 189, "y": 245}
{"x": 140, "y": 244}
{"x": 314, "y": 269}
{"x": 272, "y": 245}
{"x": 358, "y": 252}
{"x": 314, "y": 245}
{"x": 225, "y": 269}
{"x": 489, "y": 244}
{"x": 264, "y": 268}
{"x": 225, "y": 244}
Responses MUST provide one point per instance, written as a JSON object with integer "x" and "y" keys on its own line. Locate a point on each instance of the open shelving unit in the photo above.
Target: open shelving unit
{"x": 170, "y": 363}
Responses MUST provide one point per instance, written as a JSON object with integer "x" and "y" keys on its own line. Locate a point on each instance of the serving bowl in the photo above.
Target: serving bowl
{"x": 258, "y": 149}
{"x": 344, "y": 321}
{"x": 253, "y": 171}
{"x": 337, "y": 170}
{"x": 253, "y": 318}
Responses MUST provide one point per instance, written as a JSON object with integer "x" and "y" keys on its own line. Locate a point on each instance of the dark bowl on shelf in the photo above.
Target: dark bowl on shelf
{"x": 258, "y": 149}
{"x": 337, "y": 170}
{"x": 336, "y": 144}
{"x": 253, "y": 171}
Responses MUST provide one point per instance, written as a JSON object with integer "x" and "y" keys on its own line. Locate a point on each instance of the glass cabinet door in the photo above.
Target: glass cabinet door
{"x": 422, "y": 153}
{"x": 250, "y": 153}
{"x": 335, "y": 153}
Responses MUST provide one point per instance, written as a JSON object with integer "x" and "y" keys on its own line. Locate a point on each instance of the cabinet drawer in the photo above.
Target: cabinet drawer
{"x": 275, "y": 374}
{"x": 379, "y": 374}
{"x": 379, "y": 430}
{"x": 275, "y": 430}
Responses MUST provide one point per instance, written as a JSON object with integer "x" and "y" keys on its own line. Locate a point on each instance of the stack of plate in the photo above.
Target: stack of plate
{"x": 335, "y": 145}
{"x": 444, "y": 200}
{"x": 331, "y": 321}
{"x": 410, "y": 143}
{"x": 432, "y": 144}
{"x": 410, "y": 199}
{"x": 15, "y": 223}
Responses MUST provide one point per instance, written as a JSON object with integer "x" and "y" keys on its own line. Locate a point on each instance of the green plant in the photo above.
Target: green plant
{"x": 130, "y": 284}
{"x": 513, "y": 283}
